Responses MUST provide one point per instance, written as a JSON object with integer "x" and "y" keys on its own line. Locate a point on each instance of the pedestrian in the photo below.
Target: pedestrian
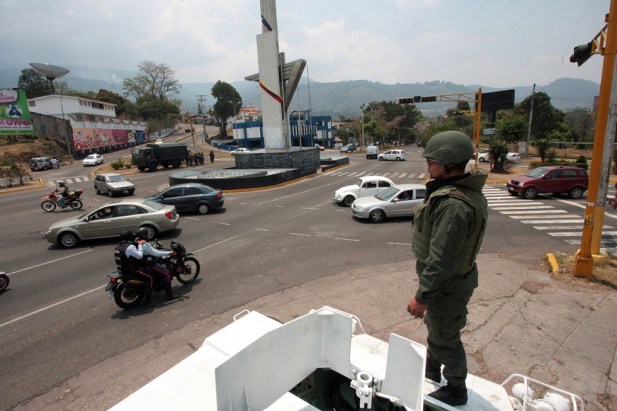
{"x": 202, "y": 160}
{"x": 446, "y": 236}
{"x": 189, "y": 159}
{"x": 54, "y": 162}
{"x": 211, "y": 156}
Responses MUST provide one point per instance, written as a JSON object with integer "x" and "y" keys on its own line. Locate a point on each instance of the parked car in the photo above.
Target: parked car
{"x": 553, "y": 179}
{"x": 239, "y": 151}
{"x": 113, "y": 218}
{"x": 113, "y": 184}
{"x": 364, "y": 186}
{"x": 93, "y": 160}
{"x": 372, "y": 152}
{"x": 348, "y": 148}
{"x": 484, "y": 156}
{"x": 398, "y": 155}
{"x": 40, "y": 163}
{"x": 191, "y": 197}
{"x": 513, "y": 157}
{"x": 396, "y": 201}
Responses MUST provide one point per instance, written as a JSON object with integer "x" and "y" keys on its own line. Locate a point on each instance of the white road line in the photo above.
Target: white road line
{"x": 50, "y": 262}
{"x": 261, "y": 229}
{"x": 403, "y": 175}
{"x": 215, "y": 244}
{"x": 405, "y": 244}
{"x": 346, "y": 239}
{"x": 578, "y": 233}
{"x": 52, "y": 306}
{"x": 559, "y": 227}
{"x": 577, "y": 220}
{"x": 538, "y": 207}
{"x": 300, "y": 235}
{"x": 534, "y": 212}
{"x": 547, "y": 217}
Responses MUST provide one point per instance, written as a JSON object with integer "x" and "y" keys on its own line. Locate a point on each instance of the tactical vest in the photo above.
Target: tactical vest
{"x": 124, "y": 263}
{"x": 423, "y": 228}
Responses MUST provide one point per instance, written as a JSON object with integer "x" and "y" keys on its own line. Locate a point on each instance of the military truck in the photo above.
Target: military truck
{"x": 153, "y": 155}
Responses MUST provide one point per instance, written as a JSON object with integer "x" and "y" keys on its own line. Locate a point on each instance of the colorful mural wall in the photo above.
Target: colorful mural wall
{"x": 15, "y": 119}
{"x": 97, "y": 139}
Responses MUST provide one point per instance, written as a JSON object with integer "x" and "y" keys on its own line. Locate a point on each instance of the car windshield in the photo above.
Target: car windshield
{"x": 115, "y": 179}
{"x": 91, "y": 156}
{"x": 387, "y": 194}
{"x": 154, "y": 204}
{"x": 537, "y": 172}
{"x": 359, "y": 182}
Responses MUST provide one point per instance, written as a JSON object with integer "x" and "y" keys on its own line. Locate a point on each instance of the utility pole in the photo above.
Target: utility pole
{"x": 604, "y": 43}
{"x": 533, "y": 97}
{"x": 200, "y": 99}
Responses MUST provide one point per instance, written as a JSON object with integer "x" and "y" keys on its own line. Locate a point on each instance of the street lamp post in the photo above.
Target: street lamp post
{"x": 362, "y": 126}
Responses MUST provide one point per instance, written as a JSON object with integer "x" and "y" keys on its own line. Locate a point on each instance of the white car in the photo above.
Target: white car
{"x": 239, "y": 151}
{"x": 398, "y": 155}
{"x": 484, "y": 156}
{"x": 93, "y": 160}
{"x": 113, "y": 184}
{"x": 513, "y": 157}
{"x": 396, "y": 201}
{"x": 364, "y": 186}
{"x": 321, "y": 148}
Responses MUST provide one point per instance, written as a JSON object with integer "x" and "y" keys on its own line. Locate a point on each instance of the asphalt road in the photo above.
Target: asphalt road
{"x": 56, "y": 320}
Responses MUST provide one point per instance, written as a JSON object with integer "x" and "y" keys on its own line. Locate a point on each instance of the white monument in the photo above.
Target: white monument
{"x": 277, "y": 80}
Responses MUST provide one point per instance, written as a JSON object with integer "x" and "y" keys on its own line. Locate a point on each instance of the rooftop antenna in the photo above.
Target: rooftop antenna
{"x": 50, "y": 72}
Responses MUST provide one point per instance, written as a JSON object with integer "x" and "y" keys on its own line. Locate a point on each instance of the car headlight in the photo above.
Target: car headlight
{"x": 357, "y": 207}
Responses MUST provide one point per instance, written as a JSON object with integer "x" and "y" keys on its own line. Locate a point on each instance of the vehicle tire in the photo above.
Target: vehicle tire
{"x": 48, "y": 206}
{"x": 482, "y": 160}
{"x": 512, "y": 193}
{"x": 190, "y": 272}
{"x": 127, "y": 296}
{"x": 175, "y": 163}
{"x": 367, "y": 157}
{"x": 141, "y": 168}
{"x": 203, "y": 209}
{"x": 110, "y": 193}
{"x": 380, "y": 158}
{"x": 377, "y": 216}
{"x": 68, "y": 240}
{"x": 398, "y": 159}
{"x": 576, "y": 193}
{"x": 96, "y": 190}
{"x": 4, "y": 282}
{"x": 348, "y": 201}
{"x": 530, "y": 193}
{"x": 152, "y": 167}
{"x": 76, "y": 204}
{"x": 152, "y": 232}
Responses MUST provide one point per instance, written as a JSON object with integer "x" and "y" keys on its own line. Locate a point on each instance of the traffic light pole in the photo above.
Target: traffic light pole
{"x": 594, "y": 215}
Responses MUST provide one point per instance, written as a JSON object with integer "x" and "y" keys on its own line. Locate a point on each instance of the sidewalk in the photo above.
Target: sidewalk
{"x": 520, "y": 321}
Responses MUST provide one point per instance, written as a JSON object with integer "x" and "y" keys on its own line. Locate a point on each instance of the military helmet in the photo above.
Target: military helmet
{"x": 449, "y": 147}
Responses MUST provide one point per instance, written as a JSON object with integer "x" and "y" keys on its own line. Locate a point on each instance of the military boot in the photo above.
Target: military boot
{"x": 433, "y": 370}
{"x": 451, "y": 394}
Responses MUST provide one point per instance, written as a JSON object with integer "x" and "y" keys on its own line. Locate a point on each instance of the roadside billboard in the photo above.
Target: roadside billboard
{"x": 15, "y": 117}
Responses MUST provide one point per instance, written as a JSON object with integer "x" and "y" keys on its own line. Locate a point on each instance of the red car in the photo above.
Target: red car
{"x": 553, "y": 179}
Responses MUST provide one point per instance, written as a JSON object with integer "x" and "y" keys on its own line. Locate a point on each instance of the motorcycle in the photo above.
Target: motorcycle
{"x": 50, "y": 202}
{"x": 4, "y": 281}
{"x": 128, "y": 290}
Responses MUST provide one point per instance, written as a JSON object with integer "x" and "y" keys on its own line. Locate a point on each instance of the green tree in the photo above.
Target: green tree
{"x": 122, "y": 104}
{"x": 542, "y": 146}
{"x": 581, "y": 123}
{"x": 152, "y": 89}
{"x": 512, "y": 129}
{"x": 390, "y": 122}
{"x": 545, "y": 117}
{"x": 498, "y": 149}
{"x": 228, "y": 103}
{"x": 33, "y": 83}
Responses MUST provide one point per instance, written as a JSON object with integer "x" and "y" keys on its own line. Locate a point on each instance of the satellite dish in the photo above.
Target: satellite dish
{"x": 49, "y": 70}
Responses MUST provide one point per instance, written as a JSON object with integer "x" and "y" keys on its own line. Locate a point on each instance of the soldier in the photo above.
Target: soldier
{"x": 446, "y": 237}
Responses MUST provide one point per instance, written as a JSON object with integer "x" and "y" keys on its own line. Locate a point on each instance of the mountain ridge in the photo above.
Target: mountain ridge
{"x": 337, "y": 99}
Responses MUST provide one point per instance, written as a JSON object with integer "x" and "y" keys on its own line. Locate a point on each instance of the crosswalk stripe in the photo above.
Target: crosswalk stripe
{"x": 534, "y": 212}
{"x": 560, "y": 221}
{"x": 523, "y": 208}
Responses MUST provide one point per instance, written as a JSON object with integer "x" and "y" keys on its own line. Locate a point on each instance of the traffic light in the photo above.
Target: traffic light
{"x": 581, "y": 54}
{"x": 404, "y": 100}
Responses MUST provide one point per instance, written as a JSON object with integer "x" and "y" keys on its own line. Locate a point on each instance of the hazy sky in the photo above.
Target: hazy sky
{"x": 496, "y": 43}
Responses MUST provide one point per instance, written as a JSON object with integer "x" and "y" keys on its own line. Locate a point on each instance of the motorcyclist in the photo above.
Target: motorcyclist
{"x": 63, "y": 189}
{"x": 130, "y": 259}
{"x": 157, "y": 270}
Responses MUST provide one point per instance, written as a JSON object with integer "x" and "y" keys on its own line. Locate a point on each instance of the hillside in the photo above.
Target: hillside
{"x": 338, "y": 99}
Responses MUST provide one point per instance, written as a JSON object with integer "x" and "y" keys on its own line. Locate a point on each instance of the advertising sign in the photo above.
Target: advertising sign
{"x": 15, "y": 117}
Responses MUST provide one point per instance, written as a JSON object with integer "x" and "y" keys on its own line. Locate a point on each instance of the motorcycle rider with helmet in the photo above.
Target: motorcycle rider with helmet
{"x": 130, "y": 259}
{"x": 63, "y": 189}
{"x": 159, "y": 271}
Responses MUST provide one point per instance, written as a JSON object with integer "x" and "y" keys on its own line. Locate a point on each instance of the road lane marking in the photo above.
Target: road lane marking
{"x": 51, "y": 306}
{"x": 50, "y": 262}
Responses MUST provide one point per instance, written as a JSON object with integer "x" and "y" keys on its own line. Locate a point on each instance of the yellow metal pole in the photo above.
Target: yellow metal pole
{"x": 583, "y": 264}
{"x": 477, "y": 121}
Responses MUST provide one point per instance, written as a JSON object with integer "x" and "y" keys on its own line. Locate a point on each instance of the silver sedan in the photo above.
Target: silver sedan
{"x": 396, "y": 201}
{"x": 113, "y": 218}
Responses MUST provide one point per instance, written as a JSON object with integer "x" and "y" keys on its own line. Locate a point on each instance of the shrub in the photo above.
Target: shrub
{"x": 128, "y": 165}
{"x": 116, "y": 165}
{"x": 581, "y": 161}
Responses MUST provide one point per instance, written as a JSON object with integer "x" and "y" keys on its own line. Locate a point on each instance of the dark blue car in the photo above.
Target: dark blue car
{"x": 191, "y": 197}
